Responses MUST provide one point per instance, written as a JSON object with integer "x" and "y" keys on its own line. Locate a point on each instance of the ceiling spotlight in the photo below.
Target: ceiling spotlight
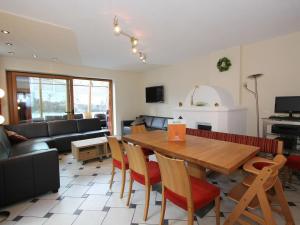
{"x": 9, "y": 44}
{"x": 134, "y": 41}
{"x": 34, "y": 56}
{"x": 11, "y": 53}
{"x": 5, "y": 31}
{"x": 117, "y": 28}
{"x": 134, "y": 49}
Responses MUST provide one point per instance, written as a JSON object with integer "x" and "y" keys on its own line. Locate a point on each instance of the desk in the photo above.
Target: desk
{"x": 219, "y": 156}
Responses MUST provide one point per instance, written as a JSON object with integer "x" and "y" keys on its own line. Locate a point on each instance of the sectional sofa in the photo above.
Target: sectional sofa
{"x": 151, "y": 123}
{"x": 31, "y": 168}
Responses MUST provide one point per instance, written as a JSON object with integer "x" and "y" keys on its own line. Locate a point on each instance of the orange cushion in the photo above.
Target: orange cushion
{"x": 118, "y": 163}
{"x": 293, "y": 162}
{"x": 202, "y": 191}
{"x": 154, "y": 174}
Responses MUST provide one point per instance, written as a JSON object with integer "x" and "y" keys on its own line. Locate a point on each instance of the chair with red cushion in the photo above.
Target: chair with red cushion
{"x": 142, "y": 171}
{"x": 137, "y": 129}
{"x": 293, "y": 164}
{"x": 120, "y": 161}
{"x": 185, "y": 191}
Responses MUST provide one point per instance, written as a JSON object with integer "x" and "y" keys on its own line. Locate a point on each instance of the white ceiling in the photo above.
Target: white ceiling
{"x": 79, "y": 32}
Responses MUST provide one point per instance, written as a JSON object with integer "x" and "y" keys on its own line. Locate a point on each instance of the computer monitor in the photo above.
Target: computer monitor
{"x": 287, "y": 104}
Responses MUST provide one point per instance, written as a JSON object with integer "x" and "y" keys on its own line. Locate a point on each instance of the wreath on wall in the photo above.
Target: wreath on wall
{"x": 223, "y": 64}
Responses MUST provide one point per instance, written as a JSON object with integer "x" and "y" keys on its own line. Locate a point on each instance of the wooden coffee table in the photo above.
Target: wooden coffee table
{"x": 88, "y": 149}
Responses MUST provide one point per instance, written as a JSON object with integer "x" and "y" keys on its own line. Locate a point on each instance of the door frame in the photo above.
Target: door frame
{"x": 12, "y": 92}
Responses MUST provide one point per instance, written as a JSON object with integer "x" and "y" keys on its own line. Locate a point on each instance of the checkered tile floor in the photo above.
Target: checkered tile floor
{"x": 85, "y": 199}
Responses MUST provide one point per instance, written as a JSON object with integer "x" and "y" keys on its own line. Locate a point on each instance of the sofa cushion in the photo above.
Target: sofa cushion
{"x": 63, "y": 142}
{"x": 158, "y": 122}
{"x": 86, "y": 125}
{"x": 28, "y": 147}
{"x": 14, "y": 137}
{"x": 62, "y": 127}
{"x": 4, "y": 144}
{"x": 96, "y": 133}
{"x": 30, "y": 130}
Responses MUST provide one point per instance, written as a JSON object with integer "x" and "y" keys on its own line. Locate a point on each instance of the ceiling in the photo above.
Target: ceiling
{"x": 80, "y": 32}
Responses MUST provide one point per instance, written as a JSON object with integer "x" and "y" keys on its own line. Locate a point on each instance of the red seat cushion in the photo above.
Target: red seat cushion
{"x": 154, "y": 174}
{"x": 261, "y": 165}
{"x": 293, "y": 162}
{"x": 203, "y": 193}
{"x": 118, "y": 163}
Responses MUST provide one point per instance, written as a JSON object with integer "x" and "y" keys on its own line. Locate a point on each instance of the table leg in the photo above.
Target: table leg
{"x": 196, "y": 171}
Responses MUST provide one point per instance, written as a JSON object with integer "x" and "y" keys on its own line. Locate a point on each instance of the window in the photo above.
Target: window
{"x": 44, "y": 97}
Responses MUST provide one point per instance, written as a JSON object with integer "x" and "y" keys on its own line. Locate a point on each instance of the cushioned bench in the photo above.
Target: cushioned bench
{"x": 269, "y": 146}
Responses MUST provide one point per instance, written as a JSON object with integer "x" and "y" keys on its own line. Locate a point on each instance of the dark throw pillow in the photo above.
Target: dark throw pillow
{"x": 15, "y": 137}
{"x": 138, "y": 121}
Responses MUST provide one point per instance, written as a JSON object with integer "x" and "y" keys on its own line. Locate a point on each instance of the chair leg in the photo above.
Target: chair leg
{"x": 147, "y": 198}
{"x": 163, "y": 207}
{"x": 112, "y": 176}
{"x": 190, "y": 217}
{"x": 217, "y": 209}
{"x": 123, "y": 182}
{"x": 130, "y": 190}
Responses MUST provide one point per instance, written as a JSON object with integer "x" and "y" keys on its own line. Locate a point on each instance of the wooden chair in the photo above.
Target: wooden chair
{"x": 120, "y": 161}
{"x": 185, "y": 191}
{"x": 256, "y": 196}
{"x": 143, "y": 171}
{"x": 138, "y": 129}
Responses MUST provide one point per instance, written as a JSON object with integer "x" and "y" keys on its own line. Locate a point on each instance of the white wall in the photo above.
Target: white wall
{"x": 125, "y": 83}
{"x": 278, "y": 59}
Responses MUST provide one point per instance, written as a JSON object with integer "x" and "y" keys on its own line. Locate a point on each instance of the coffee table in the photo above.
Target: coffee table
{"x": 88, "y": 149}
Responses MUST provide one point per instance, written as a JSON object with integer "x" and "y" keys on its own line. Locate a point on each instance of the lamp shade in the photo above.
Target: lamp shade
{"x": 2, "y": 119}
{"x": 2, "y": 93}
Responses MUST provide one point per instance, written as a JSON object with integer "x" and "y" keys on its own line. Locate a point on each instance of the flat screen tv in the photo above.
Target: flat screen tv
{"x": 287, "y": 104}
{"x": 155, "y": 94}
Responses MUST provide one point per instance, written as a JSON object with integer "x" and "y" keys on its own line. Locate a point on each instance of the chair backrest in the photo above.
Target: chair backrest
{"x": 271, "y": 146}
{"x": 136, "y": 159}
{"x": 138, "y": 129}
{"x": 115, "y": 148}
{"x": 175, "y": 176}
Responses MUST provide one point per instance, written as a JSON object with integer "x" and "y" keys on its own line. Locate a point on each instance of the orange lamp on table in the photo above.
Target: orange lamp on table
{"x": 176, "y": 130}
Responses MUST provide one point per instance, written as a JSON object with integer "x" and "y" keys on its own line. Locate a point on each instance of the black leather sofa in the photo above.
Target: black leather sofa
{"x": 151, "y": 123}
{"x": 58, "y": 134}
{"x": 26, "y": 170}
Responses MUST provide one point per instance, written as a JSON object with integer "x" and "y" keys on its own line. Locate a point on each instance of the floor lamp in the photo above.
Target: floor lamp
{"x": 3, "y": 214}
{"x": 255, "y": 93}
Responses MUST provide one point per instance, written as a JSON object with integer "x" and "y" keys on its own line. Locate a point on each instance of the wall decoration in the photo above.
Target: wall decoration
{"x": 224, "y": 64}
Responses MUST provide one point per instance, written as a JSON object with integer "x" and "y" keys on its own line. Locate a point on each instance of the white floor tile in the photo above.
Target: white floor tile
{"x": 153, "y": 214}
{"x": 139, "y": 197}
{"x": 61, "y": 219}
{"x": 40, "y": 208}
{"x": 98, "y": 189}
{"x": 8, "y": 223}
{"x": 90, "y": 218}
{"x": 67, "y": 205}
{"x": 76, "y": 191}
{"x": 175, "y": 213}
{"x": 116, "y": 187}
{"x": 94, "y": 202}
{"x": 83, "y": 180}
{"x": 64, "y": 181}
{"x": 102, "y": 179}
{"x": 31, "y": 221}
{"x": 116, "y": 201}
{"x": 17, "y": 209}
{"x": 184, "y": 222}
{"x": 53, "y": 196}
{"x": 118, "y": 216}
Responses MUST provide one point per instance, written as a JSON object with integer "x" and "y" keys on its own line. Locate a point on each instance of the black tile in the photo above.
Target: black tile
{"x": 60, "y": 198}
{"x": 105, "y": 209}
{"x": 76, "y": 176}
{"x": 292, "y": 204}
{"x": 98, "y": 167}
{"x": 132, "y": 206}
{"x": 157, "y": 202}
{"x": 95, "y": 174}
{"x": 108, "y": 193}
{"x": 48, "y": 215}
{"x": 77, "y": 212}
{"x": 225, "y": 194}
{"x": 85, "y": 196}
{"x": 17, "y": 218}
{"x": 222, "y": 214}
{"x": 166, "y": 222}
{"x": 233, "y": 180}
{"x": 215, "y": 182}
{"x": 81, "y": 168}
{"x": 134, "y": 224}
{"x": 69, "y": 163}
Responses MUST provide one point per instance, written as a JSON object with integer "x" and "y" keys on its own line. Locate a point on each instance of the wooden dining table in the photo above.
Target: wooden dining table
{"x": 201, "y": 153}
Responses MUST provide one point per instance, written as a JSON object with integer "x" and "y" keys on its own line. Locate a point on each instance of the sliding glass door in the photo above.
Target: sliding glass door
{"x": 44, "y": 97}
